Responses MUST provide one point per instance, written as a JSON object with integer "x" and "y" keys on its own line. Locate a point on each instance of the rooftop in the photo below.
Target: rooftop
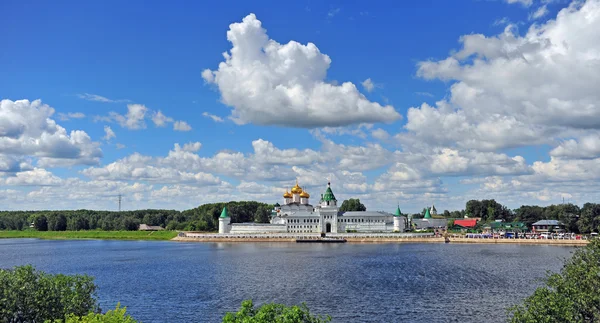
{"x": 548, "y": 222}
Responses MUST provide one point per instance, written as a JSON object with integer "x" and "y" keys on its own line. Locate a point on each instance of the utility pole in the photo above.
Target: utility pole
{"x": 119, "y": 202}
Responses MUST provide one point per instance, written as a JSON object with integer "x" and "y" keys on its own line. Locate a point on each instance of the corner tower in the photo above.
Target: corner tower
{"x": 224, "y": 221}
{"x": 397, "y": 219}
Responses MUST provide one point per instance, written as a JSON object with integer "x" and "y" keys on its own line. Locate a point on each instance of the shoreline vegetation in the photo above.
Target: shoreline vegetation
{"x": 90, "y": 235}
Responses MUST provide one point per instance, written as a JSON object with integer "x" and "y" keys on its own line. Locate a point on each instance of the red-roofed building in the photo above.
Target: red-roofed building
{"x": 466, "y": 223}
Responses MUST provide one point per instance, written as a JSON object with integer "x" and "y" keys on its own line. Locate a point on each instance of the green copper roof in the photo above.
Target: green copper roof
{"x": 398, "y": 212}
{"x": 225, "y": 214}
{"x": 427, "y": 215}
{"x": 328, "y": 195}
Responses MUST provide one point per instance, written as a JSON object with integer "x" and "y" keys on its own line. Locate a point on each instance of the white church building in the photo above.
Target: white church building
{"x": 297, "y": 215}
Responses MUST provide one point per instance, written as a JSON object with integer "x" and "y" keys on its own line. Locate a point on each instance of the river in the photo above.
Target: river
{"x": 199, "y": 282}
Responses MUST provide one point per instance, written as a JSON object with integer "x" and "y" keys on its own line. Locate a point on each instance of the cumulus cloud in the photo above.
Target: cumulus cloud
{"x": 181, "y": 126}
{"x": 543, "y": 87}
{"x": 133, "y": 120}
{"x": 27, "y": 129}
{"x": 34, "y": 177}
{"x": 380, "y": 134}
{"x": 160, "y": 120}
{"x": 586, "y": 147}
{"x": 108, "y": 133}
{"x": 368, "y": 85}
{"x": 269, "y": 83}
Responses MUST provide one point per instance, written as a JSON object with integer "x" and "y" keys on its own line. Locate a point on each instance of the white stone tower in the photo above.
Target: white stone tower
{"x": 397, "y": 220}
{"x": 224, "y": 221}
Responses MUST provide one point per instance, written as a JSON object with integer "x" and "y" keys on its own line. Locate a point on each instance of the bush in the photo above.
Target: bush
{"x": 28, "y": 295}
{"x": 273, "y": 313}
{"x": 569, "y": 296}
{"x": 117, "y": 315}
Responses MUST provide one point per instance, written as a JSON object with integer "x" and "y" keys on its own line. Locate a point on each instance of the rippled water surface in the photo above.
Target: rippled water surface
{"x": 199, "y": 282}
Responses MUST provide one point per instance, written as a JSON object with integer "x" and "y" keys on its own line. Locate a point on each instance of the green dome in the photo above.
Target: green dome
{"x": 398, "y": 212}
{"x": 427, "y": 214}
{"x": 328, "y": 195}
{"x": 225, "y": 214}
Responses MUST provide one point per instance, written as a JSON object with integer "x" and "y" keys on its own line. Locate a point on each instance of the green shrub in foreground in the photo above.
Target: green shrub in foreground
{"x": 569, "y": 296}
{"x": 273, "y": 313}
{"x": 28, "y": 295}
{"x": 117, "y": 315}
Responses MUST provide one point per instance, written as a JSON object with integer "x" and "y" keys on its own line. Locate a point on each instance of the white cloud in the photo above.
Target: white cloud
{"x": 99, "y": 98}
{"x": 190, "y": 147}
{"x": 133, "y": 120}
{"x": 108, "y": 133}
{"x": 70, "y": 115}
{"x": 380, "y": 134}
{"x": 368, "y": 85}
{"x": 525, "y": 3}
{"x": 119, "y": 146}
{"x": 13, "y": 164}
{"x": 181, "y": 126}
{"x": 34, "y": 177}
{"x": 586, "y": 147}
{"x": 160, "y": 120}
{"x": 26, "y": 129}
{"x": 268, "y": 83}
{"x": 539, "y": 13}
{"x": 542, "y": 90}
{"x": 213, "y": 117}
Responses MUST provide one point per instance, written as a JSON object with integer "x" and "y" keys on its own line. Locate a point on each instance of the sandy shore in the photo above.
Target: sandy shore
{"x": 396, "y": 240}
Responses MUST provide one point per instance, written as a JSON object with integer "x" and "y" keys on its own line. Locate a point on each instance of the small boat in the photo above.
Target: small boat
{"x": 321, "y": 240}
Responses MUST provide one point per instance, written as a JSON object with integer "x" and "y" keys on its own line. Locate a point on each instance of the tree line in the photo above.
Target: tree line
{"x": 202, "y": 218}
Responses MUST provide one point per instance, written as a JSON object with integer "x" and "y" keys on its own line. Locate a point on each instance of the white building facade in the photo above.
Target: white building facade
{"x": 297, "y": 215}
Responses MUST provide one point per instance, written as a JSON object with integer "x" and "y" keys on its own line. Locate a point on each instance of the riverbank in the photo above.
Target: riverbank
{"x": 94, "y": 235}
{"x": 355, "y": 238}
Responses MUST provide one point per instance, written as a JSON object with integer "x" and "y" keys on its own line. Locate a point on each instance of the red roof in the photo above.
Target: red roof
{"x": 466, "y": 223}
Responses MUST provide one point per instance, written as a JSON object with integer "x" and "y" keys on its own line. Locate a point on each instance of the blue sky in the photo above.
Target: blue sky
{"x": 493, "y": 114}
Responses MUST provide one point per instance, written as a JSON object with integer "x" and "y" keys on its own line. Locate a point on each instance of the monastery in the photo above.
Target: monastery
{"x": 297, "y": 215}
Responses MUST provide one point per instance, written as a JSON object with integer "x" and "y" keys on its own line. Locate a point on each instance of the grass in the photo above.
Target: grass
{"x": 91, "y": 234}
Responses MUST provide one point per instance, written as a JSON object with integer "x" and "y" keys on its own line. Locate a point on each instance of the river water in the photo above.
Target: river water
{"x": 199, "y": 282}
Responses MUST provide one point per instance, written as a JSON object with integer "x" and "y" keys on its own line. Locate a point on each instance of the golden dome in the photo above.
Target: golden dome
{"x": 296, "y": 189}
{"x": 304, "y": 194}
{"x": 287, "y": 195}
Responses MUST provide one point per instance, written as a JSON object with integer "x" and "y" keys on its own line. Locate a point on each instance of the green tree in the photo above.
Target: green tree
{"x": 28, "y": 295}
{"x": 273, "y": 313}
{"x": 569, "y": 296}
{"x": 118, "y": 315}
{"x": 261, "y": 215}
{"x": 352, "y": 205}
{"x": 40, "y": 223}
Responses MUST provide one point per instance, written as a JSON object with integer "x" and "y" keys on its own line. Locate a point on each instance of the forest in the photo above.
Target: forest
{"x": 203, "y": 218}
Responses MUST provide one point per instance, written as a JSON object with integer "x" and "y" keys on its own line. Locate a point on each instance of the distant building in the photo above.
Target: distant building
{"x": 500, "y": 226}
{"x": 145, "y": 227}
{"x": 297, "y": 215}
{"x": 548, "y": 225}
{"x": 465, "y": 223}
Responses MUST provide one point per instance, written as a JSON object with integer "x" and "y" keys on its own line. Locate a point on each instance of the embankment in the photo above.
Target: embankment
{"x": 372, "y": 239}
